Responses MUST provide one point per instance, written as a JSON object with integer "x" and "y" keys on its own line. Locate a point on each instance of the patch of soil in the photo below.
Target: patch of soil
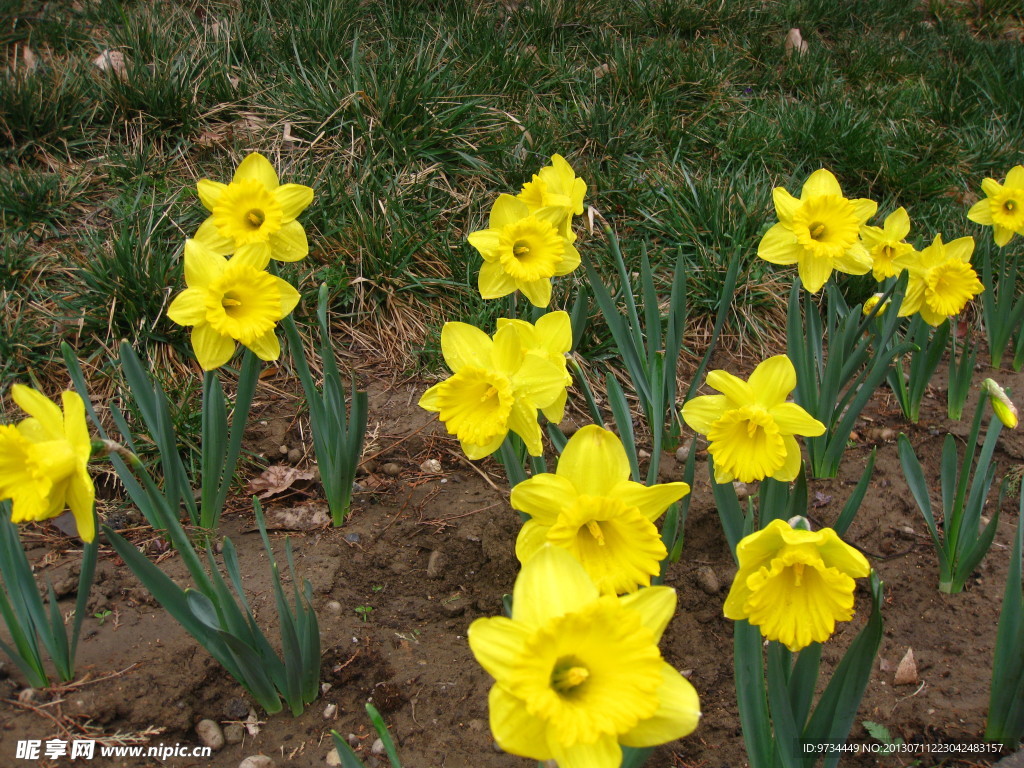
{"x": 424, "y": 553}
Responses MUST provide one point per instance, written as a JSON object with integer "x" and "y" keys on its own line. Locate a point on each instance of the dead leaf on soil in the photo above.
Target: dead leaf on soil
{"x": 906, "y": 672}
{"x": 280, "y": 478}
{"x": 112, "y": 61}
{"x": 795, "y": 42}
{"x": 304, "y": 517}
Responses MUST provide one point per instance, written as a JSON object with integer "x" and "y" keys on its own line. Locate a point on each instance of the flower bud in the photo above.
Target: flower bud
{"x": 1003, "y": 407}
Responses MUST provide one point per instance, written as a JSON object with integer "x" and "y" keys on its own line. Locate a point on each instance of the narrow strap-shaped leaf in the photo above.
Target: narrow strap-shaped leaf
{"x": 853, "y": 503}
{"x": 652, "y": 316}
{"x": 624, "y": 421}
{"x": 914, "y": 476}
{"x": 248, "y": 375}
{"x": 588, "y": 393}
{"x": 787, "y": 731}
{"x": 729, "y": 511}
{"x": 56, "y": 638}
{"x": 724, "y": 302}
{"x": 385, "y": 736}
{"x": 348, "y": 757}
{"x": 802, "y": 682}
{"x": 751, "y": 695}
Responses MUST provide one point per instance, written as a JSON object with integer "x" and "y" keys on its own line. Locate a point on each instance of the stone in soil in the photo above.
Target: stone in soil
{"x": 210, "y": 734}
{"x": 234, "y": 733}
{"x": 257, "y": 761}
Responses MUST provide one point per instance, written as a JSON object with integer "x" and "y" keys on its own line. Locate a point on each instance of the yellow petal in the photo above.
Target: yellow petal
{"x": 814, "y": 272}
{"x": 652, "y": 501}
{"x": 507, "y": 210}
{"x": 543, "y": 496}
{"x": 210, "y": 192}
{"x": 897, "y": 224}
{"x": 790, "y": 468}
{"x": 496, "y": 642}
{"x": 656, "y": 605}
{"x": 779, "y": 246}
{"x": 210, "y": 236}
{"x": 981, "y": 212}
{"x": 838, "y": 554}
{"x": 677, "y": 716}
{"x": 794, "y": 420}
{"x": 1001, "y": 235}
{"x": 700, "y": 413}
{"x": 772, "y": 381}
{"x": 603, "y": 753}
{"x": 733, "y": 387}
{"x": 188, "y": 307}
{"x": 256, "y": 166}
{"x": 81, "y": 495}
{"x": 493, "y": 282}
{"x": 294, "y": 199}
{"x": 487, "y": 241}
{"x": 854, "y": 261}
{"x": 556, "y": 411}
{"x": 289, "y": 296}
{"x": 551, "y": 583}
{"x": 212, "y": 350}
{"x": 41, "y": 408}
{"x": 555, "y": 331}
{"x": 75, "y": 428}
{"x": 289, "y": 243}
{"x": 515, "y": 729}
{"x": 991, "y": 187}
{"x": 961, "y": 248}
{"x": 202, "y": 264}
{"x": 463, "y": 344}
{"x": 532, "y": 536}
{"x": 570, "y": 261}
{"x": 785, "y": 205}
{"x": 1015, "y": 178}
{"x": 523, "y": 421}
{"x": 864, "y": 209}
{"x": 594, "y": 461}
{"x": 537, "y": 291}
{"x": 266, "y": 347}
{"x": 821, "y": 182}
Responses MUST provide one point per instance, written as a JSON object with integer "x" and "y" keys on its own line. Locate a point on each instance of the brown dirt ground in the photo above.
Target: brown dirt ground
{"x": 141, "y": 671}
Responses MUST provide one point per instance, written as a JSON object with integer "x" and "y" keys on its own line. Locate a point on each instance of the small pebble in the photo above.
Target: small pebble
{"x": 683, "y": 451}
{"x": 236, "y": 708}
{"x": 431, "y": 465}
{"x": 742, "y": 490}
{"x": 333, "y": 606}
{"x": 352, "y": 740}
{"x": 569, "y": 429}
{"x": 234, "y": 733}
{"x": 29, "y": 696}
{"x": 258, "y": 761}
{"x": 352, "y": 538}
{"x": 294, "y": 455}
{"x": 377, "y": 748}
{"x": 436, "y": 564}
{"x": 392, "y": 470}
{"x": 330, "y": 711}
{"x": 325, "y": 687}
{"x": 333, "y": 758}
{"x": 707, "y": 580}
{"x": 210, "y": 734}
{"x": 453, "y": 608}
{"x": 283, "y": 450}
{"x": 642, "y": 454}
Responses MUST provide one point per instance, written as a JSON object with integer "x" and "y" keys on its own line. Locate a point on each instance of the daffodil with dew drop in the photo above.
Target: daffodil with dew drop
{"x": 556, "y": 186}
{"x": 494, "y": 388}
{"x": 231, "y": 300}
{"x": 942, "y": 280}
{"x": 578, "y": 674}
{"x": 551, "y": 338}
{"x": 885, "y": 244}
{"x": 1003, "y": 206}
{"x": 590, "y": 508}
{"x": 795, "y": 584}
{"x": 44, "y": 458}
{"x": 819, "y": 232}
{"x": 255, "y": 209}
{"x": 522, "y": 250}
{"x": 750, "y": 426}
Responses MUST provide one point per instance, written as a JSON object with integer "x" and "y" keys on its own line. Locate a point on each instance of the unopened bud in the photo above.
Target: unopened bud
{"x": 1003, "y": 407}
{"x": 872, "y": 302}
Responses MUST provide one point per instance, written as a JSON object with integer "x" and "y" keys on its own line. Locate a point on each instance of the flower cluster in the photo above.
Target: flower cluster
{"x": 823, "y": 231}
{"x": 230, "y": 300}
{"x": 578, "y": 673}
{"x": 529, "y": 238}
{"x": 499, "y": 384}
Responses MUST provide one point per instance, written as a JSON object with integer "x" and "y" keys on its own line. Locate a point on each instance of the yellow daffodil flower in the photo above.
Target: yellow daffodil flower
{"x": 750, "y": 426}
{"x": 578, "y": 675}
{"x": 43, "y": 461}
{"x": 231, "y": 300}
{"x": 592, "y": 509}
{"x": 1003, "y": 206}
{"x": 494, "y": 388}
{"x": 556, "y": 186}
{"x": 522, "y": 250}
{"x": 818, "y": 232}
{"x": 942, "y": 280}
{"x": 795, "y": 584}
{"x": 255, "y": 209}
{"x": 551, "y": 338}
{"x": 885, "y": 244}
{"x": 1001, "y": 403}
